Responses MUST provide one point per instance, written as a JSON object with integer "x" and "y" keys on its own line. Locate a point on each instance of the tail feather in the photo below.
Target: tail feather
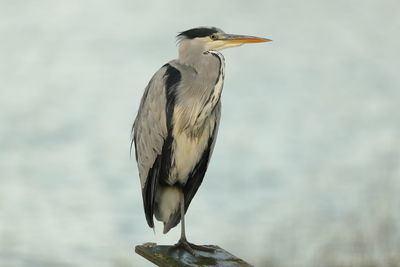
{"x": 173, "y": 221}
{"x": 167, "y": 206}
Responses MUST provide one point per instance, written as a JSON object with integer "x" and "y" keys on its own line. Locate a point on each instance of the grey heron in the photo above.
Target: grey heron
{"x": 177, "y": 123}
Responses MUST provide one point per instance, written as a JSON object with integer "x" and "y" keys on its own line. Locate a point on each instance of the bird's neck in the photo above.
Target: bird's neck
{"x": 190, "y": 53}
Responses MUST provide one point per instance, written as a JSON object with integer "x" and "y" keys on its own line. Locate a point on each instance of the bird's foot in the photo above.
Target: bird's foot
{"x": 189, "y": 247}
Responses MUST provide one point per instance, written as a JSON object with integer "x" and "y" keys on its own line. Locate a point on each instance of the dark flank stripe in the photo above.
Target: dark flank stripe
{"x": 173, "y": 77}
{"x": 198, "y": 32}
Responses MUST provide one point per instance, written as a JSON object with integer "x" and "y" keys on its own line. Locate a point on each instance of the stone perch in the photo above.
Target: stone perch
{"x": 170, "y": 256}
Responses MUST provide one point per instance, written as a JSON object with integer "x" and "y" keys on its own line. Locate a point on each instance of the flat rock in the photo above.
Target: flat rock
{"x": 170, "y": 256}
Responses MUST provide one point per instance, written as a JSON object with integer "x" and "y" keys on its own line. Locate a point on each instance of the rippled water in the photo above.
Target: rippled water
{"x": 306, "y": 168}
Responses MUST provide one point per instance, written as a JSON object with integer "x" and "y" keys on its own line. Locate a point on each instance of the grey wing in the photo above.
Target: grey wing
{"x": 150, "y": 134}
{"x": 150, "y": 128}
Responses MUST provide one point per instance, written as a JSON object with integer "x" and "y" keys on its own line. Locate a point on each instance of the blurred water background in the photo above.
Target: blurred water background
{"x": 306, "y": 168}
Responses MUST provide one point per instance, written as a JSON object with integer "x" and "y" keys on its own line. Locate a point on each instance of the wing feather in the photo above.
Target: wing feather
{"x": 151, "y": 134}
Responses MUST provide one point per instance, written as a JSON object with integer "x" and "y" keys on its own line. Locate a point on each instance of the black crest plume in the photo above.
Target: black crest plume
{"x": 197, "y": 32}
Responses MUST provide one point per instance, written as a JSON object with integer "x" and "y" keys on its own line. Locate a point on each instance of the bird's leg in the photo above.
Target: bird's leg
{"x": 182, "y": 206}
{"x": 183, "y": 241}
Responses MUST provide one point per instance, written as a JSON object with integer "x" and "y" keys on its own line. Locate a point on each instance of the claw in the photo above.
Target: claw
{"x": 185, "y": 246}
{"x": 183, "y": 243}
{"x": 189, "y": 247}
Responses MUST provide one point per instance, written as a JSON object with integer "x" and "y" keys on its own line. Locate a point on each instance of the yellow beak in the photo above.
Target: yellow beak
{"x": 234, "y": 38}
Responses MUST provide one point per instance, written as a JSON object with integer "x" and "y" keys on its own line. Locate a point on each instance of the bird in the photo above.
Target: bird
{"x": 176, "y": 126}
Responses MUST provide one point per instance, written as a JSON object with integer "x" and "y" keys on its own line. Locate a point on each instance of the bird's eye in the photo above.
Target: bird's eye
{"x": 214, "y": 36}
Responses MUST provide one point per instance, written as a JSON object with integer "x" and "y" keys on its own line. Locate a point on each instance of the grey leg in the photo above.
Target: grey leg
{"x": 183, "y": 241}
{"x": 182, "y": 204}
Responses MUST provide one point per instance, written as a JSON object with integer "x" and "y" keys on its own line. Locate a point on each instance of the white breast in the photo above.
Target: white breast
{"x": 191, "y": 140}
{"x": 187, "y": 151}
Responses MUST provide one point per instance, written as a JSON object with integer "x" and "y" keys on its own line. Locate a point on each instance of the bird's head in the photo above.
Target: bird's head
{"x": 211, "y": 38}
